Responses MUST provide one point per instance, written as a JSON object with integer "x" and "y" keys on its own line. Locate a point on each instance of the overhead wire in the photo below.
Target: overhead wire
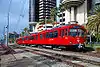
{"x": 21, "y": 15}
{"x": 7, "y": 24}
{"x": 8, "y": 13}
{"x": 9, "y": 49}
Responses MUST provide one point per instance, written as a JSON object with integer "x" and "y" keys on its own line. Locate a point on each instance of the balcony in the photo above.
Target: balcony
{"x": 32, "y": 23}
{"x": 71, "y": 3}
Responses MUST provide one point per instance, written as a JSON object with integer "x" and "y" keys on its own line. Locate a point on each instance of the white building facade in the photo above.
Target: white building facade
{"x": 76, "y": 11}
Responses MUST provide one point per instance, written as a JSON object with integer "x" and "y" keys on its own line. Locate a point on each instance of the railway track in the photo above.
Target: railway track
{"x": 71, "y": 58}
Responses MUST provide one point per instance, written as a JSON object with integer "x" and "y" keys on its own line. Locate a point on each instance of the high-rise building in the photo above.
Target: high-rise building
{"x": 39, "y": 10}
{"x": 33, "y": 10}
{"x": 33, "y": 14}
{"x": 45, "y": 7}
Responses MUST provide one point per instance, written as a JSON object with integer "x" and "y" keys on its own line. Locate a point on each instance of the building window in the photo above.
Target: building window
{"x": 63, "y": 14}
{"x": 63, "y": 19}
{"x": 60, "y": 20}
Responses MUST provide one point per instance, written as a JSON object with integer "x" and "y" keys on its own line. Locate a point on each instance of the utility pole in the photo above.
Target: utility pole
{"x": 8, "y": 29}
{"x": 4, "y": 35}
{"x": 8, "y": 22}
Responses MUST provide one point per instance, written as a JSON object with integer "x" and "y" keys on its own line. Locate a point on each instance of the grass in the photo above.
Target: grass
{"x": 93, "y": 45}
{"x": 96, "y": 47}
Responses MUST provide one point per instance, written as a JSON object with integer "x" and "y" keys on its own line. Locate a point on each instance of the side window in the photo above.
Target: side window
{"x": 55, "y": 34}
{"x": 26, "y": 38}
{"x": 41, "y": 36}
{"x": 31, "y": 38}
{"x": 62, "y": 33}
{"x": 36, "y": 37}
{"x": 22, "y": 38}
{"x": 51, "y": 35}
{"x": 47, "y": 35}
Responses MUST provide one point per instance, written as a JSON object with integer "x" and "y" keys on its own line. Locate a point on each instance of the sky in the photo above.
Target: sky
{"x": 18, "y": 15}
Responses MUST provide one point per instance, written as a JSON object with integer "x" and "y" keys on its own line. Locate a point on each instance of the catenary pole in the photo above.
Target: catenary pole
{"x": 4, "y": 35}
{"x": 10, "y": 49}
{"x": 8, "y": 22}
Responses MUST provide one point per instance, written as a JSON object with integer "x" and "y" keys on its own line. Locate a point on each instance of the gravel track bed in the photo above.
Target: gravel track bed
{"x": 73, "y": 59}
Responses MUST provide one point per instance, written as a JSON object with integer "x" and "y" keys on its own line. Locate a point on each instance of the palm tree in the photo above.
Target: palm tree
{"x": 94, "y": 22}
{"x": 54, "y": 12}
{"x": 49, "y": 21}
{"x": 26, "y": 30}
{"x": 22, "y": 33}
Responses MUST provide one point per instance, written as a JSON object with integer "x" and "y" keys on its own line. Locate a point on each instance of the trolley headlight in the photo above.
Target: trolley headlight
{"x": 70, "y": 42}
{"x": 80, "y": 46}
{"x": 78, "y": 40}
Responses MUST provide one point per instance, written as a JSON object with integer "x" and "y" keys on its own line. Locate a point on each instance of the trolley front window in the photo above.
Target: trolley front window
{"x": 73, "y": 32}
{"x": 76, "y": 32}
{"x": 80, "y": 32}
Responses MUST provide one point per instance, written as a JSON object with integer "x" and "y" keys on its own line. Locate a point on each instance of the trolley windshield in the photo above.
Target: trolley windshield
{"x": 76, "y": 32}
